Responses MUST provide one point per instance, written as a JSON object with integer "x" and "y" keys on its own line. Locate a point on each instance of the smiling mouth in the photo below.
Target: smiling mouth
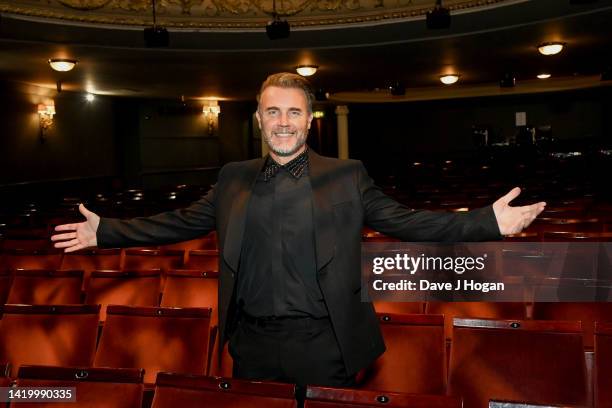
{"x": 284, "y": 134}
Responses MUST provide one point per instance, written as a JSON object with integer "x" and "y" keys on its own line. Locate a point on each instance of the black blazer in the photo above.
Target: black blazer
{"x": 344, "y": 199}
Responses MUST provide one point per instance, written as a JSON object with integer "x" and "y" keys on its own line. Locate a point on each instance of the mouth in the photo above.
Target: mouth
{"x": 283, "y": 134}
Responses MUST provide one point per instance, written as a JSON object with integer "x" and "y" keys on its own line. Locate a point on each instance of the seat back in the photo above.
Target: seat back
{"x": 537, "y": 361}
{"x": 203, "y": 260}
{"x": 89, "y": 260}
{"x": 191, "y": 288}
{"x": 603, "y": 365}
{"x": 415, "y": 359}
{"x": 156, "y": 339}
{"x": 31, "y": 259}
{"x": 41, "y": 287}
{"x": 48, "y": 335}
{"x": 132, "y": 288}
{"x": 172, "y": 390}
{"x": 321, "y": 397}
{"x": 153, "y": 259}
{"x": 93, "y": 387}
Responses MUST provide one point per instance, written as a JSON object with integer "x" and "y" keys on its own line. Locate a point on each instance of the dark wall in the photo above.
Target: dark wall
{"x": 80, "y": 144}
{"x": 403, "y": 130}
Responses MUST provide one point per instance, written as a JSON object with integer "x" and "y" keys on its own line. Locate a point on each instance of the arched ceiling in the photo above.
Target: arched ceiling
{"x": 356, "y": 60}
{"x": 237, "y": 14}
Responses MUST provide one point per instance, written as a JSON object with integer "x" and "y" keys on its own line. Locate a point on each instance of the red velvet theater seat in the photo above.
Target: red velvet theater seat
{"x": 204, "y": 260}
{"x": 131, "y": 288}
{"x": 153, "y": 259}
{"x": 90, "y": 260}
{"x": 32, "y": 259}
{"x": 536, "y": 361}
{"x": 415, "y": 359}
{"x": 320, "y": 397}
{"x": 94, "y": 387}
{"x": 172, "y": 390}
{"x": 41, "y": 287}
{"x": 603, "y": 365}
{"x": 156, "y": 339}
{"x": 48, "y": 335}
{"x": 191, "y": 288}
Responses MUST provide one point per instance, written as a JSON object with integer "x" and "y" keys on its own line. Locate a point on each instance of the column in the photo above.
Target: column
{"x": 342, "y": 121}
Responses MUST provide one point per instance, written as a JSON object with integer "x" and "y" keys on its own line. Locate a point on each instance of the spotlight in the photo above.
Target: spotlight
{"x": 397, "y": 89}
{"x": 508, "y": 80}
{"x": 156, "y": 37}
{"x": 90, "y": 97}
{"x": 278, "y": 29}
{"x": 543, "y": 76}
{"x": 551, "y": 48}
{"x": 439, "y": 17}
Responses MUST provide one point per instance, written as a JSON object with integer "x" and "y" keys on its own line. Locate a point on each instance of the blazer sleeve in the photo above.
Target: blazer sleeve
{"x": 386, "y": 215}
{"x": 165, "y": 228}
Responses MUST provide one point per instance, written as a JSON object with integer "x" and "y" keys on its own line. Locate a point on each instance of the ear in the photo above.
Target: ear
{"x": 258, "y": 118}
{"x": 309, "y": 120}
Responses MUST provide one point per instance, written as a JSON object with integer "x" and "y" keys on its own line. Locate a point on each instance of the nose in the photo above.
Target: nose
{"x": 284, "y": 119}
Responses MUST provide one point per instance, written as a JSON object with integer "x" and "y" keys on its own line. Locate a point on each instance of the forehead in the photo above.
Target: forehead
{"x": 283, "y": 98}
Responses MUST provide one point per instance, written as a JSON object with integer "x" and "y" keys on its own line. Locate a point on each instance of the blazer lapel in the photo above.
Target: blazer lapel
{"x": 235, "y": 227}
{"x": 325, "y": 239}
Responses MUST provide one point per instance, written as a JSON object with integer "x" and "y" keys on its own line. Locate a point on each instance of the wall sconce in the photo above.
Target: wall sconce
{"x": 211, "y": 111}
{"x": 45, "y": 119}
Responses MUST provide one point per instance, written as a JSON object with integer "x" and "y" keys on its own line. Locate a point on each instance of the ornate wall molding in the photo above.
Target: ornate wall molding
{"x": 233, "y": 14}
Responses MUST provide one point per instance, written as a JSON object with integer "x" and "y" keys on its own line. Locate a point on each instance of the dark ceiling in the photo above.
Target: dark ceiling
{"x": 480, "y": 46}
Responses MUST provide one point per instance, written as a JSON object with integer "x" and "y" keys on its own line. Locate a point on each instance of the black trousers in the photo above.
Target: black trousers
{"x": 299, "y": 351}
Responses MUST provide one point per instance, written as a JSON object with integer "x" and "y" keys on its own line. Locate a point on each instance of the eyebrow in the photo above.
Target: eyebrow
{"x": 294, "y": 109}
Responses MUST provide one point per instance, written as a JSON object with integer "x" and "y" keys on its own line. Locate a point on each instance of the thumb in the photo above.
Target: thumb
{"x": 512, "y": 194}
{"x": 84, "y": 211}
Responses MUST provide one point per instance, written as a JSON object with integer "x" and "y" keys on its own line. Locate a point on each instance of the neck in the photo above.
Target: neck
{"x": 282, "y": 160}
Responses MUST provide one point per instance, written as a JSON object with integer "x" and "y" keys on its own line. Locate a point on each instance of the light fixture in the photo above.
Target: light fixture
{"x": 550, "y": 48}
{"x": 318, "y": 114}
{"x": 449, "y": 79}
{"x": 306, "y": 70}
{"x": 277, "y": 29}
{"x": 211, "y": 111}
{"x": 543, "y": 76}
{"x": 45, "y": 119}
{"x": 62, "y": 64}
{"x": 397, "y": 88}
{"x": 439, "y": 17}
{"x": 90, "y": 97}
{"x": 156, "y": 36}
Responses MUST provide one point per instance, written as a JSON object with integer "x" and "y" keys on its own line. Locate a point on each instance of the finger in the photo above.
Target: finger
{"x": 62, "y": 237}
{"x": 84, "y": 211}
{"x": 66, "y": 244}
{"x": 74, "y": 248}
{"x": 512, "y": 194}
{"x": 67, "y": 227}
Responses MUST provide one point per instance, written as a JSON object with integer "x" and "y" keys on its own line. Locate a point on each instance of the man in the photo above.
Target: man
{"x": 289, "y": 229}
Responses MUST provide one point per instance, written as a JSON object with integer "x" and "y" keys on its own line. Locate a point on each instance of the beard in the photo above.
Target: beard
{"x": 282, "y": 147}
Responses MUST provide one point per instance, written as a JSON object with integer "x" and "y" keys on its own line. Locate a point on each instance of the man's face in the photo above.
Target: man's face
{"x": 284, "y": 119}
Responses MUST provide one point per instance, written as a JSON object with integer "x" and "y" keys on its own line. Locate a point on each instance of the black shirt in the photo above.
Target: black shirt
{"x": 277, "y": 273}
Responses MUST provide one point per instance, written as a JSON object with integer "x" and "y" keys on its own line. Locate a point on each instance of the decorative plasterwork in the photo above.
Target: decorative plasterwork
{"x": 233, "y": 14}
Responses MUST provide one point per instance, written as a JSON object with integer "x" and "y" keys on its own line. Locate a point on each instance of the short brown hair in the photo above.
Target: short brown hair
{"x": 288, "y": 80}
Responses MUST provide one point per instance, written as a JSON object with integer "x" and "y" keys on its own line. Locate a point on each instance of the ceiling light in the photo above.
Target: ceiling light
{"x": 306, "y": 70}
{"x": 62, "y": 64}
{"x": 278, "y": 29}
{"x": 90, "y": 97}
{"x": 449, "y": 79}
{"x": 551, "y": 48}
{"x": 543, "y": 76}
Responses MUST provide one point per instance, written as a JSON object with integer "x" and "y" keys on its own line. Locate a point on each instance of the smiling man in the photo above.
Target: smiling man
{"x": 289, "y": 228}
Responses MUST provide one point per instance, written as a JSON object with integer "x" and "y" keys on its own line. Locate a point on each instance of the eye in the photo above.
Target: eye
{"x": 295, "y": 114}
{"x": 272, "y": 112}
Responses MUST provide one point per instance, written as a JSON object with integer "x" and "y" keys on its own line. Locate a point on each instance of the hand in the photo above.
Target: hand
{"x": 81, "y": 235}
{"x": 512, "y": 220}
